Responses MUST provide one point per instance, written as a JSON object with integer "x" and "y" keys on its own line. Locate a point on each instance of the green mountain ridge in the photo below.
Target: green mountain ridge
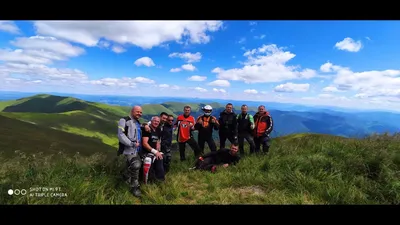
{"x": 19, "y": 136}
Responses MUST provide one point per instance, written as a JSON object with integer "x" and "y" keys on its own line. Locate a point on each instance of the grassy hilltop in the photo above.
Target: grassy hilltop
{"x": 300, "y": 169}
{"x": 42, "y": 135}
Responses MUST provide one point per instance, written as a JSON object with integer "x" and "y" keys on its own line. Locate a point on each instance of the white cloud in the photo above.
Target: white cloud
{"x": 330, "y": 89}
{"x": 143, "y": 80}
{"x": 43, "y": 72}
{"x": 252, "y": 23}
{"x": 291, "y": 87}
{"x": 189, "y": 67}
{"x": 217, "y": 70}
{"x": 266, "y": 64}
{"x": 144, "y": 34}
{"x": 197, "y": 78}
{"x": 174, "y": 70}
{"x": 39, "y": 50}
{"x": 10, "y": 27}
{"x": 250, "y": 91}
{"x": 187, "y": 56}
{"x": 348, "y": 44}
{"x": 175, "y": 87}
{"x": 368, "y": 83}
{"x": 220, "y": 83}
{"x": 219, "y": 90}
{"x": 200, "y": 89}
{"x": 163, "y": 86}
{"x": 118, "y": 49}
{"x": 260, "y": 36}
{"x": 145, "y": 61}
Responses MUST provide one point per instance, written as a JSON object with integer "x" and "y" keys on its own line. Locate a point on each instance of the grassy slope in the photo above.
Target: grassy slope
{"x": 26, "y": 137}
{"x": 300, "y": 169}
{"x": 68, "y": 114}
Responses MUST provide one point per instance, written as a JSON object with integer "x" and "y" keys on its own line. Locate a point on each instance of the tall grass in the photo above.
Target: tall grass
{"x": 299, "y": 169}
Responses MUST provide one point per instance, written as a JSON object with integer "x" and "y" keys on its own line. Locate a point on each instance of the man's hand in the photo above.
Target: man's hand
{"x": 137, "y": 144}
{"x": 212, "y": 120}
{"x": 225, "y": 165}
{"x": 191, "y": 126}
{"x": 158, "y": 147}
{"x": 147, "y": 128}
{"x": 200, "y": 121}
{"x": 159, "y": 155}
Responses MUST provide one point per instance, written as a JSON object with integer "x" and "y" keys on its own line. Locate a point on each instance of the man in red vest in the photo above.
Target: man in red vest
{"x": 185, "y": 124}
{"x": 263, "y": 127}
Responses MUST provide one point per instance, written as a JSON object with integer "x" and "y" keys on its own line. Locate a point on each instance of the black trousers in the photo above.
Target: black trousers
{"x": 206, "y": 164}
{"x": 210, "y": 142}
{"x": 193, "y": 145}
{"x": 223, "y": 137}
{"x": 167, "y": 157}
{"x": 249, "y": 139}
{"x": 265, "y": 141}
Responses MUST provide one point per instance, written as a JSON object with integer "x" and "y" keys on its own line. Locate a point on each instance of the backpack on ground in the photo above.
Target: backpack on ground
{"x": 121, "y": 146}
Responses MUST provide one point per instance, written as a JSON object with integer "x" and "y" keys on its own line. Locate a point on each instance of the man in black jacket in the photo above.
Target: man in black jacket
{"x": 211, "y": 160}
{"x": 166, "y": 141}
{"x": 227, "y": 126}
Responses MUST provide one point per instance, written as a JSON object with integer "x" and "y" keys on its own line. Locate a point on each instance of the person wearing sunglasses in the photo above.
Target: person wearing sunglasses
{"x": 166, "y": 141}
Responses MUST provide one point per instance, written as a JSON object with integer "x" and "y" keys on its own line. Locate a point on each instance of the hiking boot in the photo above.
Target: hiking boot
{"x": 213, "y": 169}
{"x": 136, "y": 192}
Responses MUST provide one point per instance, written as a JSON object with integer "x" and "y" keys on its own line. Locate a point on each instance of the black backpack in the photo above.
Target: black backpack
{"x": 121, "y": 146}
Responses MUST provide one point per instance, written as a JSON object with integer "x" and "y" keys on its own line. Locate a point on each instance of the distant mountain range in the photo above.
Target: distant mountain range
{"x": 94, "y": 119}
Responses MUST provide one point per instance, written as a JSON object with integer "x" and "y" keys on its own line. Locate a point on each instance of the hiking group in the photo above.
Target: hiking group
{"x": 147, "y": 146}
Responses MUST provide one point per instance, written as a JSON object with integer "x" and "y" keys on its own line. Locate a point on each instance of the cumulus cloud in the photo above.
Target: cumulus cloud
{"x": 144, "y": 34}
{"x": 118, "y": 49}
{"x": 174, "y": 70}
{"x": 266, "y": 64}
{"x": 368, "y": 83}
{"x": 10, "y": 27}
{"x": 43, "y": 72}
{"x": 219, "y": 90}
{"x": 291, "y": 87}
{"x": 330, "y": 89}
{"x": 189, "y": 67}
{"x": 39, "y": 50}
{"x": 144, "y": 61}
{"x": 348, "y": 44}
{"x": 197, "y": 78}
{"x": 163, "y": 86}
{"x": 187, "y": 56}
{"x": 200, "y": 89}
{"x": 220, "y": 83}
{"x": 250, "y": 91}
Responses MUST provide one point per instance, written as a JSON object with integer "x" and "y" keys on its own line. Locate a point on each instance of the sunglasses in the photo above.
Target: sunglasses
{"x": 170, "y": 120}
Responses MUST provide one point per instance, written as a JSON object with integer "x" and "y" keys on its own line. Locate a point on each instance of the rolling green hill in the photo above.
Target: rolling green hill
{"x": 17, "y": 136}
{"x": 68, "y": 114}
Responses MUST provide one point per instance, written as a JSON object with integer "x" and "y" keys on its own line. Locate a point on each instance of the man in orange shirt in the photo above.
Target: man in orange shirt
{"x": 185, "y": 124}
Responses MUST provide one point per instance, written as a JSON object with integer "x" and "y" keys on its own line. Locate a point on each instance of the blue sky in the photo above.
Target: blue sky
{"x": 341, "y": 63}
